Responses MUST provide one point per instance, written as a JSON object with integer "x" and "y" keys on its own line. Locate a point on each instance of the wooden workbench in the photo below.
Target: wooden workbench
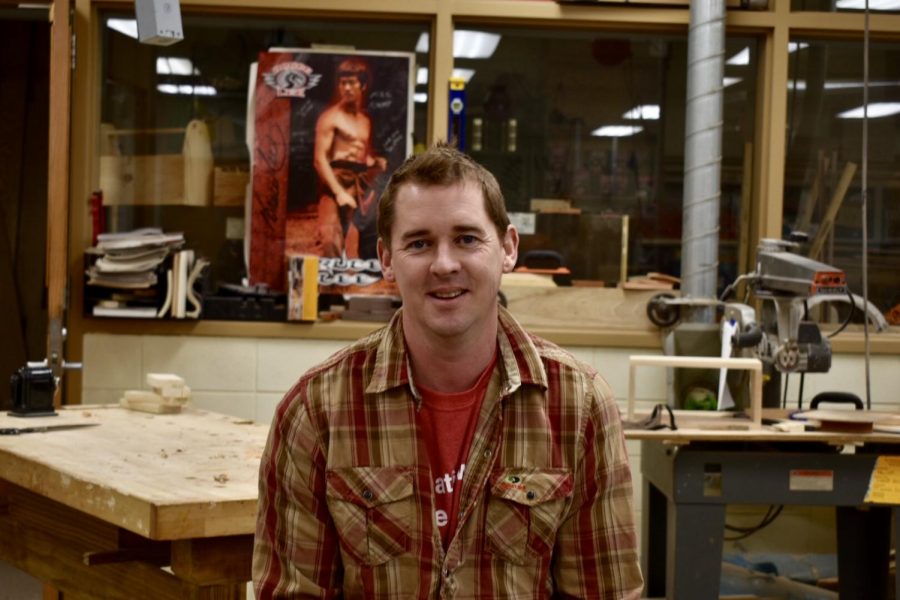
{"x": 140, "y": 505}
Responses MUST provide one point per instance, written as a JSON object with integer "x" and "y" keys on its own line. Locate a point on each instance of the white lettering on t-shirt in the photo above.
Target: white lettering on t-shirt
{"x": 441, "y": 517}
{"x": 444, "y": 485}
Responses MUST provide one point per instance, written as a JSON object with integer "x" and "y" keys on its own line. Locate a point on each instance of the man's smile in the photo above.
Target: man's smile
{"x": 447, "y": 294}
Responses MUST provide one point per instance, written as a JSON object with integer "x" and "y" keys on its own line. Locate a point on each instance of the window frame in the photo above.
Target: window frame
{"x": 773, "y": 27}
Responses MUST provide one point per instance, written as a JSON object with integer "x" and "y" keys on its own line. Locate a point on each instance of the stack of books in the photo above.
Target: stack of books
{"x": 124, "y": 278}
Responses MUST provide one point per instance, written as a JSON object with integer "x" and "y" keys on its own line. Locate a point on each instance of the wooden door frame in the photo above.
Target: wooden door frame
{"x": 58, "y": 181}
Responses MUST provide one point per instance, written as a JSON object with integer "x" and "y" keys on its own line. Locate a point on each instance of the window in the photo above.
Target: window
{"x": 824, "y": 142}
{"x": 596, "y": 120}
{"x": 845, "y": 5}
{"x": 151, "y": 93}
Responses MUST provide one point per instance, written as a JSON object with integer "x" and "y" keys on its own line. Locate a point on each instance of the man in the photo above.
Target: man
{"x": 344, "y": 162}
{"x": 450, "y": 454}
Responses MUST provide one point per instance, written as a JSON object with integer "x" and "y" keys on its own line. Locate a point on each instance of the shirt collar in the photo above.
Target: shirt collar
{"x": 519, "y": 359}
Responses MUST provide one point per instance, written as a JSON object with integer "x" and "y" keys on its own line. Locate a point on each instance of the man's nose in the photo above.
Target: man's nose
{"x": 445, "y": 259}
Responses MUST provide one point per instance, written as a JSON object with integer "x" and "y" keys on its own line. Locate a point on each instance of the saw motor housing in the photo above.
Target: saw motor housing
{"x": 784, "y": 281}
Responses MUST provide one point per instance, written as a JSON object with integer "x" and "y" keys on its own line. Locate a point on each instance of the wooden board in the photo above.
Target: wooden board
{"x": 165, "y": 477}
{"x": 154, "y": 179}
{"x": 600, "y": 308}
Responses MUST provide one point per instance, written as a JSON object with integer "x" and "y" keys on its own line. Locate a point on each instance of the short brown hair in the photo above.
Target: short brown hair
{"x": 442, "y": 165}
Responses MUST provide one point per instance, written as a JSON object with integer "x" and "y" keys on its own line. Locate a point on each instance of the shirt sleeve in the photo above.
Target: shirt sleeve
{"x": 596, "y": 549}
{"x": 295, "y": 553}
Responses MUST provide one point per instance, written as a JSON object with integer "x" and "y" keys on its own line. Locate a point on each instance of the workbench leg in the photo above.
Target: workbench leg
{"x": 653, "y": 540}
{"x": 896, "y": 515}
{"x": 694, "y": 540}
{"x": 864, "y": 545}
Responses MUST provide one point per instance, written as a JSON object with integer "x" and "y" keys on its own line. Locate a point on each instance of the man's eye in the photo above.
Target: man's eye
{"x": 467, "y": 240}
{"x": 417, "y": 244}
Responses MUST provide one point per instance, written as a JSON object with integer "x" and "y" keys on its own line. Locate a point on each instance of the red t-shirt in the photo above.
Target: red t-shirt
{"x": 448, "y": 423}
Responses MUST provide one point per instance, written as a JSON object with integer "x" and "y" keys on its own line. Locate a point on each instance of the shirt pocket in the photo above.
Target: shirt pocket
{"x": 524, "y": 511}
{"x": 372, "y": 509}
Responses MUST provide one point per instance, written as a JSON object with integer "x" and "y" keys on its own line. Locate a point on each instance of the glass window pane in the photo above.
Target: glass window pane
{"x": 151, "y": 93}
{"x": 845, "y": 5}
{"x": 596, "y": 121}
{"x": 824, "y": 140}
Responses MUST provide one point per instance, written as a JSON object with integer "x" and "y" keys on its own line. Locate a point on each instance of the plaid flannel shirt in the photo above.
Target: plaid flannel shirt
{"x": 346, "y": 492}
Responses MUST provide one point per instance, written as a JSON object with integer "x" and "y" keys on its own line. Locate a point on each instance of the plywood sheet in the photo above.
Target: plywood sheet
{"x": 600, "y": 308}
{"x": 165, "y": 477}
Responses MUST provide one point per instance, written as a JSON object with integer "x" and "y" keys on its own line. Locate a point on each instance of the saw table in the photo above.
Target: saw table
{"x": 138, "y": 506}
{"x": 692, "y": 474}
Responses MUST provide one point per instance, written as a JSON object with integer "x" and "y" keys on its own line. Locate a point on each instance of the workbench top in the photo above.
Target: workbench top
{"x": 710, "y": 426}
{"x": 165, "y": 477}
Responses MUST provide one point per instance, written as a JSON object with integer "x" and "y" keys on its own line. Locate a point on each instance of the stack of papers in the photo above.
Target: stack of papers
{"x": 129, "y": 260}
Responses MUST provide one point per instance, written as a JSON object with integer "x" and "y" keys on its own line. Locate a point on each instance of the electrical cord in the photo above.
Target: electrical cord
{"x": 849, "y": 317}
{"x": 784, "y": 394}
{"x": 745, "y": 532}
{"x": 729, "y": 289}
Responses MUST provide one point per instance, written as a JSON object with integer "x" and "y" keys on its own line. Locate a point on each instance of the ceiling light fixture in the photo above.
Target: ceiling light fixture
{"x": 466, "y": 43}
{"x": 616, "y": 131}
{"x": 646, "y": 112}
{"x": 876, "y": 110}
{"x": 124, "y": 26}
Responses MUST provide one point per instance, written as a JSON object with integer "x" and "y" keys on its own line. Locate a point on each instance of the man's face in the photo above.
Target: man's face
{"x": 447, "y": 259}
{"x": 351, "y": 89}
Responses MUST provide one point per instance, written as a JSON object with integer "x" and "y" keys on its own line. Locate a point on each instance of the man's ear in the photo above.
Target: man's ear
{"x": 384, "y": 255}
{"x": 510, "y": 249}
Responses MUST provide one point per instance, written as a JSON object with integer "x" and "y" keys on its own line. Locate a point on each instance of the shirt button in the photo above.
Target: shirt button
{"x": 530, "y": 495}
{"x": 367, "y": 494}
{"x": 487, "y": 453}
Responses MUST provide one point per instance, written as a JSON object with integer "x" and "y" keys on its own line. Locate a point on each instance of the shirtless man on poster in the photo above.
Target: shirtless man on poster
{"x": 345, "y": 164}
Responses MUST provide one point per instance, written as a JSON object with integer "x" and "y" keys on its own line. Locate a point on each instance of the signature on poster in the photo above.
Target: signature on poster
{"x": 392, "y": 141}
{"x": 380, "y": 100}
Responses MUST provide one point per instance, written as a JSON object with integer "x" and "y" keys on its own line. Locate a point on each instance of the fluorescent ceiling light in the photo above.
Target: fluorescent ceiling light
{"x": 873, "y": 4}
{"x": 647, "y": 112}
{"x": 464, "y": 74}
{"x": 741, "y": 58}
{"x": 616, "y": 131}
{"x": 794, "y": 46}
{"x": 800, "y": 85}
{"x": 726, "y": 81}
{"x": 876, "y": 109}
{"x": 466, "y": 43}
{"x": 171, "y": 65}
{"x": 125, "y": 26}
{"x": 421, "y": 97}
{"x": 853, "y": 85}
{"x": 186, "y": 90}
{"x": 474, "y": 44}
{"x": 422, "y": 43}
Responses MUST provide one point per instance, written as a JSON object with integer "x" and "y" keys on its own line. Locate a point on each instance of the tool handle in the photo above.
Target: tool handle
{"x": 836, "y": 398}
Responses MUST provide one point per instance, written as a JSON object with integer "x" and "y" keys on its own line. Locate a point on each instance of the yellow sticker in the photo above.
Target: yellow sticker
{"x": 884, "y": 486}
